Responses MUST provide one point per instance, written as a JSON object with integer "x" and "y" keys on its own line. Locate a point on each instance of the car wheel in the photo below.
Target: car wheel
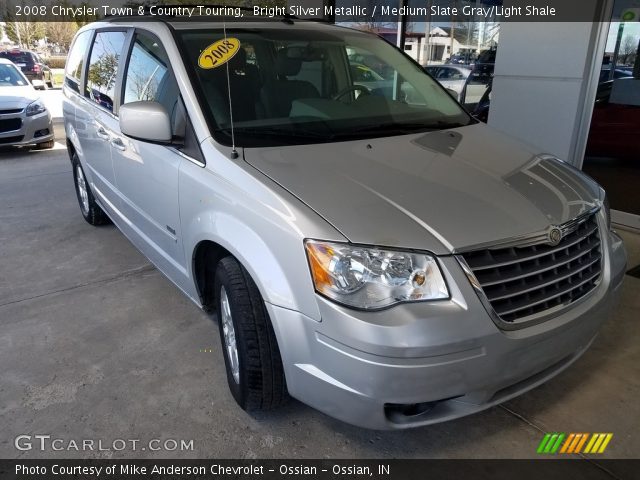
{"x": 50, "y": 84}
{"x": 45, "y": 145}
{"x": 251, "y": 355}
{"x": 91, "y": 211}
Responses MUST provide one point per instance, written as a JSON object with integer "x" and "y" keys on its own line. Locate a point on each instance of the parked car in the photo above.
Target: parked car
{"x": 615, "y": 127}
{"x": 618, "y": 72}
{"x": 449, "y": 76}
{"x": 38, "y": 73}
{"x": 468, "y": 83}
{"x": 390, "y": 262}
{"x": 462, "y": 59}
{"x": 24, "y": 119}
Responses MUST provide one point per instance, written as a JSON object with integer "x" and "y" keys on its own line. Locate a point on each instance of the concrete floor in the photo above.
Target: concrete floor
{"x": 96, "y": 344}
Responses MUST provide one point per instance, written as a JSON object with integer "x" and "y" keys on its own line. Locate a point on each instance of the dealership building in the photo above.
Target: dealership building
{"x": 570, "y": 88}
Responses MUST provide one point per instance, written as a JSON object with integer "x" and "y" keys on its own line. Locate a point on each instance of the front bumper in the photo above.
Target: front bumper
{"x": 31, "y": 130}
{"x": 422, "y": 363}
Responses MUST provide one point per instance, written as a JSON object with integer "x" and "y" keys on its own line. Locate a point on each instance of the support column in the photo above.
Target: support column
{"x": 544, "y": 86}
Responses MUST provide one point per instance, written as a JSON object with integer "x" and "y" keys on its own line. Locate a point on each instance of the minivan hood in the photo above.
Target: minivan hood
{"x": 443, "y": 191}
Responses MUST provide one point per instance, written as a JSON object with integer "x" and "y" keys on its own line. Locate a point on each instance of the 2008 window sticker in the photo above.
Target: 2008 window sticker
{"x": 218, "y": 53}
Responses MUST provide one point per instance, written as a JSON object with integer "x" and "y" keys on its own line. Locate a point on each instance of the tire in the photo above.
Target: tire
{"x": 45, "y": 145}
{"x": 50, "y": 84}
{"x": 90, "y": 210}
{"x": 258, "y": 382}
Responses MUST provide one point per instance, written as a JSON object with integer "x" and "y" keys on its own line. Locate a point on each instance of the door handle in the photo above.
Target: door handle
{"x": 118, "y": 143}
{"x": 102, "y": 133}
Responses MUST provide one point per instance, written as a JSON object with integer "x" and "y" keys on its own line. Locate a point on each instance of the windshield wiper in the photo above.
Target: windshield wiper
{"x": 402, "y": 128}
{"x": 279, "y": 132}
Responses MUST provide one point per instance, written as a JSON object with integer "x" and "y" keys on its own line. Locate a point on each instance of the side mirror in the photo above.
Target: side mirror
{"x": 147, "y": 121}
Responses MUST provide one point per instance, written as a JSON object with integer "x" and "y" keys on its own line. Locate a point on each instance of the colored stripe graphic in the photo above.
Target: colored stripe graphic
{"x": 598, "y": 442}
{"x": 555, "y": 447}
{"x": 543, "y": 443}
{"x": 594, "y": 437}
{"x": 567, "y": 442}
{"x": 605, "y": 442}
{"x": 582, "y": 442}
{"x": 553, "y": 443}
{"x": 550, "y": 443}
{"x": 574, "y": 444}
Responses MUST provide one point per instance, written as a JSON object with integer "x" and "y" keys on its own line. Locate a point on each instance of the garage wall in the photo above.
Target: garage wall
{"x": 542, "y": 88}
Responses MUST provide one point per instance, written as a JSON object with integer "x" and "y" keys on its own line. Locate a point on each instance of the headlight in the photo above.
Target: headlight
{"x": 372, "y": 278}
{"x": 607, "y": 210}
{"x": 35, "y": 108}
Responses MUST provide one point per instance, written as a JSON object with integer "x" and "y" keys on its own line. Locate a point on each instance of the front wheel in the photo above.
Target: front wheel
{"x": 251, "y": 355}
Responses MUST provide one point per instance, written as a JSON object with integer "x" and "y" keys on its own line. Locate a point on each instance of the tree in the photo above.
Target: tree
{"x": 628, "y": 49}
{"x": 61, "y": 33}
{"x": 25, "y": 33}
{"x": 102, "y": 72}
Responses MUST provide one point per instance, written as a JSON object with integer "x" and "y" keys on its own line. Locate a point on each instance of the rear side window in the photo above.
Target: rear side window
{"x": 73, "y": 70}
{"x": 103, "y": 68}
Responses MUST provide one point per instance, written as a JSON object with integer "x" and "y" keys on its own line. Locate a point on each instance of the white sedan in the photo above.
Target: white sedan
{"x": 456, "y": 78}
{"x": 24, "y": 119}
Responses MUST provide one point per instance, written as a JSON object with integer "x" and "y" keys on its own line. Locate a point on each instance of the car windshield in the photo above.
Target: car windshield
{"x": 304, "y": 84}
{"x": 17, "y": 57}
{"x": 10, "y": 76}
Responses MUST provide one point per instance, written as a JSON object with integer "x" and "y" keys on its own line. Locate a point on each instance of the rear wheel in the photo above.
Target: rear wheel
{"x": 50, "y": 84}
{"x": 91, "y": 211}
{"x": 251, "y": 355}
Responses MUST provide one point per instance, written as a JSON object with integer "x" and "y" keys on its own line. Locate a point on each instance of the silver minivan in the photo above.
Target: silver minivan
{"x": 372, "y": 251}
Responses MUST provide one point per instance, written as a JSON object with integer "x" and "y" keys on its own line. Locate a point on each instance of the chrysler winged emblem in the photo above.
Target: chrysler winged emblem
{"x": 554, "y": 236}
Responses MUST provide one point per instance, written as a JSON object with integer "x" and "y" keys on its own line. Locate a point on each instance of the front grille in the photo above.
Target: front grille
{"x": 10, "y": 111}
{"x": 523, "y": 281}
{"x": 10, "y": 124}
{"x": 11, "y": 140}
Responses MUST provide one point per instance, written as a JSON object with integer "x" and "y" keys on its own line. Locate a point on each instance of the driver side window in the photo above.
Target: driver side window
{"x": 149, "y": 78}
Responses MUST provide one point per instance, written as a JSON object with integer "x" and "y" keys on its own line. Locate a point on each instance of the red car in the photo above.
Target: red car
{"x": 615, "y": 127}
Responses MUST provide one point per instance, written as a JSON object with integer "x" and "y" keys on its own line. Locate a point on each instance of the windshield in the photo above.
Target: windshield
{"x": 308, "y": 85}
{"x": 17, "y": 57}
{"x": 10, "y": 76}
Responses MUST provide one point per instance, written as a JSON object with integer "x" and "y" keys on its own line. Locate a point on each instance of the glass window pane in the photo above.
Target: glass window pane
{"x": 147, "y": 70}
{"x": 103, "y": 68}
{"x": 73, "y": 70}
{"x": 613, "y": 150}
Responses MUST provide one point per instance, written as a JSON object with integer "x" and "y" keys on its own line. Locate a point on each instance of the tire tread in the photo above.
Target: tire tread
{"x": 265, "y": 386}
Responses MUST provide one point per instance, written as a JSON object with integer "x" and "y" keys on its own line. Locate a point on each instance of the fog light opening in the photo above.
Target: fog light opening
{"x": 408, "y": 409}
{"x": 41, "y": 133}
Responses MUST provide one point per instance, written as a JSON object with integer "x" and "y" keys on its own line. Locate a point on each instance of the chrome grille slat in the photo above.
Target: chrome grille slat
{"x": 530, "y": 273}
{"x": 545, "y": 284}
{"x": 520, "y": 283}
{"x": 546, "y": 299}
{"x": 560, "y": 247}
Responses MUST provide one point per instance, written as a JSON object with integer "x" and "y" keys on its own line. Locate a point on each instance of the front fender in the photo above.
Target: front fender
{"x": 258, "y": 222}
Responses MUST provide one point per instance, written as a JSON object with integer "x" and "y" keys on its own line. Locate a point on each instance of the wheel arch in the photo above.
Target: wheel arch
{"x": 204, "y": 260}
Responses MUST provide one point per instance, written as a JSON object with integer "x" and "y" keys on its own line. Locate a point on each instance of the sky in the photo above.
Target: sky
{"x": 629, "y": 29}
